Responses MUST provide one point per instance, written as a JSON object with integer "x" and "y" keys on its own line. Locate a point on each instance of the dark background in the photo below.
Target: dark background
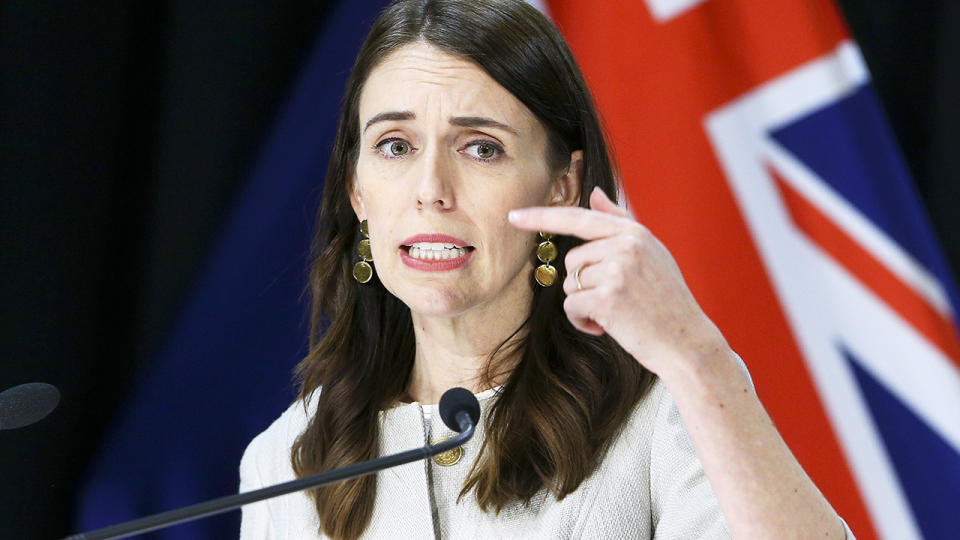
{"x": 125, "y": 131}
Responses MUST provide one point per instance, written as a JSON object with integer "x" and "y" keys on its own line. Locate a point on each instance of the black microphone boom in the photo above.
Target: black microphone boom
{"x": 462, "y": 411}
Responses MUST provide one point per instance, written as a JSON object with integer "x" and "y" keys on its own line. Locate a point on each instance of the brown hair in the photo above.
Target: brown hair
{"x": 568, "y": 393}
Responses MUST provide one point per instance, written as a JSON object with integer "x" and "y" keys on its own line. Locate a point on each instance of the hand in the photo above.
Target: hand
{"x": 629, "y": 285}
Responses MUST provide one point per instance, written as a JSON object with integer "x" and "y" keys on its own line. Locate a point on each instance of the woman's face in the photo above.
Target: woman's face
{"x": 445, "y": 153}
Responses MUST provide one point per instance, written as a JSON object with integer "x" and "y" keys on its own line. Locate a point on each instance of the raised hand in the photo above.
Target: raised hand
{"x": 624, "y": 282}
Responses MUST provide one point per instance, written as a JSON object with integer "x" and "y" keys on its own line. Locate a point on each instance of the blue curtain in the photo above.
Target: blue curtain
{"x": 225, "y": 371}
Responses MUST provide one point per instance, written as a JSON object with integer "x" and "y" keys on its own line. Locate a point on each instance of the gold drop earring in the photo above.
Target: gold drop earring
{"x": 545, "y": 274}
{"x": 363, "y": 270}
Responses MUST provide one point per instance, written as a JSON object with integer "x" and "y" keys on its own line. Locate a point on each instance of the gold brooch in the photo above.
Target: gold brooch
{"x": 450, "y": 457}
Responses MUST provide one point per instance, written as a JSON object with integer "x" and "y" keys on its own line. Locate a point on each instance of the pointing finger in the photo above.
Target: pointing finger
{"x": 568, "y": 220}
{"x": 601, "y": 203}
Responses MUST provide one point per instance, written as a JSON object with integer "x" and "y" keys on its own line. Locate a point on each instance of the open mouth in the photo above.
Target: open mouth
{"x": 436, "y": 251}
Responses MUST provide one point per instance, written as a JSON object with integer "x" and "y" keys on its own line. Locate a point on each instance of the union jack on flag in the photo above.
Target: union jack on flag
{"x": 751, "y": 142}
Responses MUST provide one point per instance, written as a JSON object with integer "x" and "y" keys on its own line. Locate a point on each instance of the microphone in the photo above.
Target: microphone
{"x": 459, "y": 410}
{"x": 27, "y": 403}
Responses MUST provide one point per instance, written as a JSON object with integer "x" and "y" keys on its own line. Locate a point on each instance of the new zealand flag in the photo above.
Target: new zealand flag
{"x": 751, "y": 142}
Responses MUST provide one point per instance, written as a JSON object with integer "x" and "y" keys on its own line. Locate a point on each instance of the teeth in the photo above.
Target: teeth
{"x": 432, "y": 251}
{"x": 433, "y": 245}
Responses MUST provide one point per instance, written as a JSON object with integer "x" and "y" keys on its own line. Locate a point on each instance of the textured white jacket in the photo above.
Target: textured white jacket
{"x": 649, "y": 485}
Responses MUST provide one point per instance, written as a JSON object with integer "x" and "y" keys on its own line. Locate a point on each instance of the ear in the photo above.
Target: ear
{"x": 356, "y": 200}
{"x": 566, "y": 190}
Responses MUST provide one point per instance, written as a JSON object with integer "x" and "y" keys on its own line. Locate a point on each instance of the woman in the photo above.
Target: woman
{"x": 466, "y": 130}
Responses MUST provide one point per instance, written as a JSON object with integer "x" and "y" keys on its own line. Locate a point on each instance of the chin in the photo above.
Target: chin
{"x": 434, "y": 303}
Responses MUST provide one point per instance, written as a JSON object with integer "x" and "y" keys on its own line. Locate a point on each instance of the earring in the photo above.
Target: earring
{"x": 363, "y": 271}
{"x": 546, "y": 274}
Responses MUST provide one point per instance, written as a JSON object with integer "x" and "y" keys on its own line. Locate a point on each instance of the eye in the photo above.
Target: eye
{"x": 393, "y": 148}
{"x": 483, "y": 150}
{"x": 399, "y": 148}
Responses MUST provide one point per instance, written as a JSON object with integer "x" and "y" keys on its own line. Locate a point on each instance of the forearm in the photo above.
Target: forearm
{"x": 762, "y": 489}
{"x": 628, "y": 286}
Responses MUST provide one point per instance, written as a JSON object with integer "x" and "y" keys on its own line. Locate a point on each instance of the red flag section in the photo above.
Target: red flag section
{"x": 655, "y": 80}
{"x": 936, "y": 327}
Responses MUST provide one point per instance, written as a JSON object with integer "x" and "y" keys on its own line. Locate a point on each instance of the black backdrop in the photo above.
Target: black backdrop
{"x": 125, "y": 130}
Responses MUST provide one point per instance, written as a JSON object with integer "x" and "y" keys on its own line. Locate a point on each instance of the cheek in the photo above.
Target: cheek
{"x": 381, "y": 220}
{"x": 371, "y": 168}
{"x": 508, "y": 246}
{"x": 377, "y": 196}
{"x": 381, "y": 242}
{"x": 516, "y": 188}
{"x": 535, "y": 186}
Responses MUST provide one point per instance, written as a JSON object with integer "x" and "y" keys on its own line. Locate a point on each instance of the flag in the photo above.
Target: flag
{"x": 225, "y": 372}
{"x": 751, "y": 143}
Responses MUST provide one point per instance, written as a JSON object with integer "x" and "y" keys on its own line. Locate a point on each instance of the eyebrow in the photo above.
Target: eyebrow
{"x": 462, "y": 121}
{"x": 480, "y": 121}
{"x": 389, "y": 115}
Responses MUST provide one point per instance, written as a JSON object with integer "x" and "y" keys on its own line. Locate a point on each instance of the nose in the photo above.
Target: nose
{"x": 435, "y": 189}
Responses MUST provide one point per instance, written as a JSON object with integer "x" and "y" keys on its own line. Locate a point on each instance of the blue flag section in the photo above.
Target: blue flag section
{"x": 927, "y": 466}
{"x": 225, "y": 371}
{"x": 879, "y": 187}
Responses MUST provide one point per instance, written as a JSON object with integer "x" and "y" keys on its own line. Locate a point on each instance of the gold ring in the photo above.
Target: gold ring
{"x": 576, "y": 276}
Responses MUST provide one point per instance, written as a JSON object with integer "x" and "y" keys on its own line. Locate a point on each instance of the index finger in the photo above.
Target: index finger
{"x": 568, "y": 220}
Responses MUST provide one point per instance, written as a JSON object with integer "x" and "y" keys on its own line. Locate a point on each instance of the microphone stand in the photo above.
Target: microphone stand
{"x": 230, "y": 502}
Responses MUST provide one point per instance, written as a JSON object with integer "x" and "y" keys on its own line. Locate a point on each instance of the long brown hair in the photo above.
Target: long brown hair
{"x": 567, "y": 394}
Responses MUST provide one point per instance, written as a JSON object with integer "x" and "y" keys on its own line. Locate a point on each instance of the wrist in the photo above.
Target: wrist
{"x": 706, "y": 368}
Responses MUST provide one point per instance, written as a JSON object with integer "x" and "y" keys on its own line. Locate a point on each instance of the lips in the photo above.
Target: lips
{"x": 435, "y": 238}
{"x": 435, "y": 252}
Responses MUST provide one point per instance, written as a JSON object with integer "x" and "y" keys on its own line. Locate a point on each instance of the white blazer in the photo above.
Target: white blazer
{"x": 650, "y": 484}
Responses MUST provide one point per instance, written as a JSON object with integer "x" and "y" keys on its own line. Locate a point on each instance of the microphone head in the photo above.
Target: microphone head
{"x": 28, "y": 403}
{"x": 455, "y": 400}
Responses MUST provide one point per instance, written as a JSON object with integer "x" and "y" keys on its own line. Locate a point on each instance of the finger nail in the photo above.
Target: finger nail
{"x": 514, "y": 215}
